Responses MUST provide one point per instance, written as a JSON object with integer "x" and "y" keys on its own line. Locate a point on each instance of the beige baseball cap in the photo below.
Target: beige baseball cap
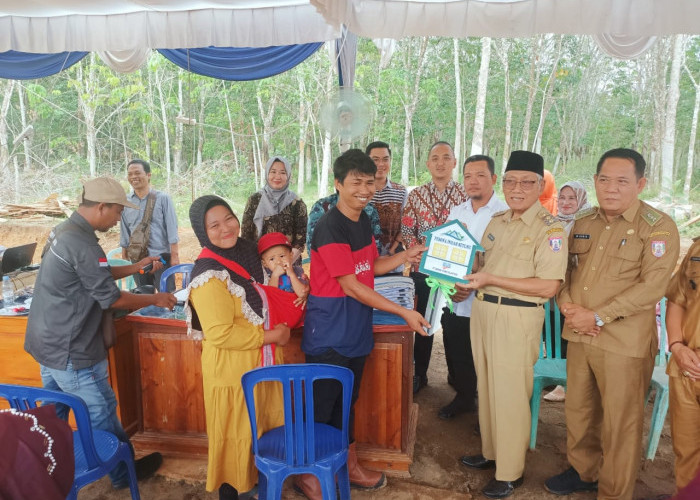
{"x": 105, "y": 190}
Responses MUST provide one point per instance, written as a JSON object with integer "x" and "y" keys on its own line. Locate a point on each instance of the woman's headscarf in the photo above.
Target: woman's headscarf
{"x": 548, "y": 198}
{"x": 581, "y": 199}
{"x": 273, "y": 201}
{"x": 244, "y": 252}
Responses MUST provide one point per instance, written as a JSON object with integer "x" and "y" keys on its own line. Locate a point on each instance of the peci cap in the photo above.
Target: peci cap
{"x": 270, "y": 240}
{"x": 526, "y": 160}
{"x": 105, "y": 190}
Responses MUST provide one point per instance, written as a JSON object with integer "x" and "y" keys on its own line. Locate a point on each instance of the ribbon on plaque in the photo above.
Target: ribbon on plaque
{"x": 446, "y": 289}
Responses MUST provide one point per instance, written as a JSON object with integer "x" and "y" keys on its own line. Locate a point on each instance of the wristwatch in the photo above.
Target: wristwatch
{"x": 598, "y": 321}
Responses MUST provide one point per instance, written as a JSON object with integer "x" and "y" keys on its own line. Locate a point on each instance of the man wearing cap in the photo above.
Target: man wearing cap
{"x": 621, "y": 258}
{"x": 162, "y": 235}
{"x": 524, "y": 264}
{"x": 75, "y": 286}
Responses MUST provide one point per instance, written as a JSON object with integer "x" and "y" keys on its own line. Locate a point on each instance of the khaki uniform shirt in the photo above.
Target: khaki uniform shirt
{"x": 683, "y": 291}
{"x": 531, "y": 246}
{"x": 619, "y": 269}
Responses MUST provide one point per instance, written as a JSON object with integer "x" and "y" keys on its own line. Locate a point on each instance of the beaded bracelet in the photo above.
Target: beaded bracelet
{"x": 40, "y": 429}
{"x": 674, "y": 343}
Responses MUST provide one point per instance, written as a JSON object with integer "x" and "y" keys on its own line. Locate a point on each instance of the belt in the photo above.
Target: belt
{"x": 496, "y": 299}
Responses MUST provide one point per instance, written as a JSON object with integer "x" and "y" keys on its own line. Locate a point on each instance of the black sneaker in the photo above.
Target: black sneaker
{"x": 145, "y": 468}
{"x": 569, "y": 482}
{"x": 148, "y": 465}
{"x": 419, "y": 381}
{"x": 456, "y": 407}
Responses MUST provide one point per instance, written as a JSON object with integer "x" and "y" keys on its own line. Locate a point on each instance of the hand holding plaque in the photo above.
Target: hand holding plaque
{"x": 449, "y": 257}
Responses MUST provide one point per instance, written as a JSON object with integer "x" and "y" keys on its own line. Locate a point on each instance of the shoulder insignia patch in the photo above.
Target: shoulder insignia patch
{"x": 583, "y": 213}
{"x": 547, "y": 218}
{"x": 650, "y": 216}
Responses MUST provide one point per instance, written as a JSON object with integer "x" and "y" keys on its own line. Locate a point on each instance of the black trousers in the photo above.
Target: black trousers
{"x": 422, "y": 346}
{"x": 458, "y": 354}
{"x": 328, "y": 394}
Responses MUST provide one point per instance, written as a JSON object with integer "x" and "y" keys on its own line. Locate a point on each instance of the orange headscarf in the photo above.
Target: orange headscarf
{"x": 548, "y": 198}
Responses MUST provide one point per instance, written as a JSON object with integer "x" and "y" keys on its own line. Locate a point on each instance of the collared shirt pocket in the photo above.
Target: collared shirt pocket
{"x": 626, "y": 260}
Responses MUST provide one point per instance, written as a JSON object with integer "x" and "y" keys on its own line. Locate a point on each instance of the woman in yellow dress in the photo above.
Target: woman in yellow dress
{"x": 225, "y": 308}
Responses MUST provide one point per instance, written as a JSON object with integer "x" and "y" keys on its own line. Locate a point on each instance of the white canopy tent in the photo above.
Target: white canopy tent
{"x": 49, "y": 26}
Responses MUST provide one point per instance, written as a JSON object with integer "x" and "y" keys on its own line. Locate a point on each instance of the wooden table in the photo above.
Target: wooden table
{"x": 156, "y": 373}
{"x": 171, "y": 413}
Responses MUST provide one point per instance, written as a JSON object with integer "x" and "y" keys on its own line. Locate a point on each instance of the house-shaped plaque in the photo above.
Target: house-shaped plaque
{"x": 451, "y": 252}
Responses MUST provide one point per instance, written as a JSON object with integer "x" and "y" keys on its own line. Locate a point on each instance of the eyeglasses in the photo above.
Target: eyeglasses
{"x": 511, "y": 184}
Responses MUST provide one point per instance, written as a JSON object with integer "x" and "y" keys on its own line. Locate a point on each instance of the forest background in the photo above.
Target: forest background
{"x": 557, "y": 95}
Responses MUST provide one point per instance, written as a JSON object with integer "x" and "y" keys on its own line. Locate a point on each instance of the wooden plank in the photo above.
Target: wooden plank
{"x": 182, "y": 445}
{"x": 171, "y": 383}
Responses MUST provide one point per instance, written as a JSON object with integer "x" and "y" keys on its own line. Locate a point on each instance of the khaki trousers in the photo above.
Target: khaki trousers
{"x": 604, "y": 408}
{"x": 505, "y": 344}
{"x": 684, "y": 406}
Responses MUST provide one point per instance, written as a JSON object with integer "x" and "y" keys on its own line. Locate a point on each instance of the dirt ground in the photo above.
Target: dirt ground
{"x": 435, "y": 473}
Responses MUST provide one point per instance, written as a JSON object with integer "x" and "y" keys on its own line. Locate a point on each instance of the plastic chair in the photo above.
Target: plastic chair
{"x": 96, "y": 452}
{"x": 126, "y": 283}
{"x": 184, "y": 269}
{"x": 115, "y": 253}
{"x": 301, "y": 445}
{"x": 659, "y": 385}
{"x": 548, "y": 371}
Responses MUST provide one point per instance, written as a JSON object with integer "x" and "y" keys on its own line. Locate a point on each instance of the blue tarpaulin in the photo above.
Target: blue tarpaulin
{"x": 233, "y": 63}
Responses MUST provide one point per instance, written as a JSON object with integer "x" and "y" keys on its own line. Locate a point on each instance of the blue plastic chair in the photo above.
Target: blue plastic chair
{"x": 548, "y": 371}
{"x": 115, "y": 253}
{"x": 96, "y": 452}
{"x": 184, "y": 269}
{"x": 301, "y": 445}
{"x": 125, "y": 283}
{"x": 659, "y": 385}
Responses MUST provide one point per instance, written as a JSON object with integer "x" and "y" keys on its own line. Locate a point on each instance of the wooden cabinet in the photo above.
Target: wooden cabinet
{"x": 172, "y": 408}
{"x": 156, "y": 373}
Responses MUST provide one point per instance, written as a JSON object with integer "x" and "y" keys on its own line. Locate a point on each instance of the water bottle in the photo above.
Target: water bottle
{"x": 8, "y": 292}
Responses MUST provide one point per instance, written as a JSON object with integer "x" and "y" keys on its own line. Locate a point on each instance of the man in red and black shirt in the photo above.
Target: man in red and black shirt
{"x": 338, "y": 327}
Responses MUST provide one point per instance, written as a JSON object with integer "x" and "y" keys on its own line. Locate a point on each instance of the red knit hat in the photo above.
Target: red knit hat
{"x": 272, "y": 240}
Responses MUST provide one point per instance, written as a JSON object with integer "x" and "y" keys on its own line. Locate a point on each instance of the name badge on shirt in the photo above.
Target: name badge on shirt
{"x": 491, "y": 237}
{"x": 582, "y": 236}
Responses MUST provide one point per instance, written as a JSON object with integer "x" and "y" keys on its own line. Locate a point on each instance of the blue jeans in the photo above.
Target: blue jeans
{"x": 91, "y": 384}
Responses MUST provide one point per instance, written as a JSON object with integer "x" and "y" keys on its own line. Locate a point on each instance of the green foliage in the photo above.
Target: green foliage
{"x": 597, "y": 103}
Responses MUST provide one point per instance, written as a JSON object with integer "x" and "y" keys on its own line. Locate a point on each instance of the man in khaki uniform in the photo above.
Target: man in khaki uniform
{"x": 524, "y": 264}
{"x": 683, "y": 327}
{"x": 621, "y": 258}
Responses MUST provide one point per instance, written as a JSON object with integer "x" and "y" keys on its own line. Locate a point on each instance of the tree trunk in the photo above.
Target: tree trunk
{"x": 326, "y": 166}
{"x": 166, "y": 131}
{"x": 179, "y": 127}
{"x": 669, "y": 140}
{"x": 200, "y": 126}
{"x": 534, "y": 84}
{"x": 502, "y": 51}
{"x": 458, "y": 107}
{"x": 547, "y": 100}
{"x": 410, "y": 109}
{"x": 691, "y": 142}
{"x": 4, "y": 147}
{"x": 303, "y": 129}
{"x": 23, "y": 116}
{"x": 266, "y": 117}
{"x": 233, "y": 136}
{"x": 480, "y": 111}
{"x": 87, "y": 91}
